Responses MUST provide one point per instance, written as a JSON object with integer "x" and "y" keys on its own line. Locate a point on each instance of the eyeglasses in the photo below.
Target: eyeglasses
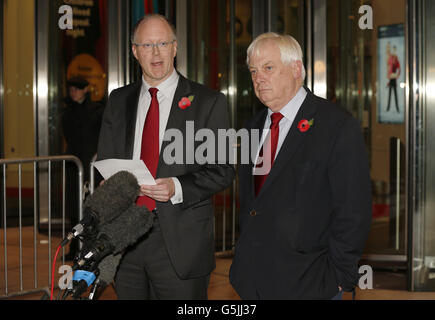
{"x": 148, "y": 46}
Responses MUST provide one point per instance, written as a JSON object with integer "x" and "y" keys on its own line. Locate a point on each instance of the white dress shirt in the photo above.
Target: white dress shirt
{"x": 165, "y": 95}
{"x": 289, "y": 112}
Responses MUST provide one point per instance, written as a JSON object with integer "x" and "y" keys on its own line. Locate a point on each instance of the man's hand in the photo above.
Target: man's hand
{"x": 163, "y": 191}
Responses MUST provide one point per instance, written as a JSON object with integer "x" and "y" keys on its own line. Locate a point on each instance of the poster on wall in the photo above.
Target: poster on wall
{"x": 391, "y": 75}
{"x": 84, "y": 47}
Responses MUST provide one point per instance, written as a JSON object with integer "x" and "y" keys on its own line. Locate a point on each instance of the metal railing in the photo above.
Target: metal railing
{"x": 92, "y": 175}
{"x": 41, "y": 166}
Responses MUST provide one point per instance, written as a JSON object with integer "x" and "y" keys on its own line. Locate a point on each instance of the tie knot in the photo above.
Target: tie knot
{"x": 153, "y": 92}
{"x": 276, "y": 118}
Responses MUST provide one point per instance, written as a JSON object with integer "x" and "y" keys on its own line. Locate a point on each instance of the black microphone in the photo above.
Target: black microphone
{"x": 105, "y": 253}
{"x": 100, "y": 277}
{"x": 89, "y": 223}
{"x": 123, "y": 232}
{"x": 106, "y": 203}
{"x": 116, "y": 236}
{"x": 89, "y": 257}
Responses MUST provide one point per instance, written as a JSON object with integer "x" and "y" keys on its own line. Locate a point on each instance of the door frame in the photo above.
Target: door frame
{"x": 1, "y": 83}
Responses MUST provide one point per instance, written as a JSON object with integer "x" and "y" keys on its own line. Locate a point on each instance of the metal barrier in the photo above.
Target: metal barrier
{"x": 225, "y": 238}
{"x": 41, "y": 165}
{"x": 92, "y": 175}
{"x": 225, "y": 242}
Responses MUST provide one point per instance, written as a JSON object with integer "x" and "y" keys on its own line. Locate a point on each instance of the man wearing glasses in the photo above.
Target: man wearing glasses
{"x": 174, "y": 260}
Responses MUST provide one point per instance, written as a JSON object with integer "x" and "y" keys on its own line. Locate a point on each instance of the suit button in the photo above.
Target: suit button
{"x": 253, "y": 213}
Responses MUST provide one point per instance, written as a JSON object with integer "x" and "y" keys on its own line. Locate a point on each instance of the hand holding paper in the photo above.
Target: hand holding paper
{"x": 162, "y": 191}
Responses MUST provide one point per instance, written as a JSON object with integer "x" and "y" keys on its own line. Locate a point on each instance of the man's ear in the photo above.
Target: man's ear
{"x": 175, "y": 48}
{"x": 133, "y": 48}
{"x": 297, "y": 69}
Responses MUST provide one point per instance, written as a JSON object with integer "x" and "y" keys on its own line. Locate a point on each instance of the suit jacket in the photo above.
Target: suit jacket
{"x": 188, "y": 228}
{"x": 304, "y": 233}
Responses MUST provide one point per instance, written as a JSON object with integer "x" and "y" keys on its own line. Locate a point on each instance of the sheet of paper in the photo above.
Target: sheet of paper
{"x": 109, "y": 167}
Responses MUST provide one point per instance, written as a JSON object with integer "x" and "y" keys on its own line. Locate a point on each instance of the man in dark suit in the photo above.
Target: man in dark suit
{"x": 175, "y": 259}
{"x": 304, "y": 223}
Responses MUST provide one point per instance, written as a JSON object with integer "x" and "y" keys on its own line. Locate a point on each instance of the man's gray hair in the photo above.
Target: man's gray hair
{"x": 150, "y": 17}
{"x": 288, "y": 46}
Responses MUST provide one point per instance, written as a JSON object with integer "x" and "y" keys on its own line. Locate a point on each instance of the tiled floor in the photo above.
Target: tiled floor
{"x": 219, "y": 288}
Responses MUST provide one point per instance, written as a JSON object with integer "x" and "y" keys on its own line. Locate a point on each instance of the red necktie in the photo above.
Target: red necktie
{"x": 150, "y": 145}
{"x": 270, "y": 144}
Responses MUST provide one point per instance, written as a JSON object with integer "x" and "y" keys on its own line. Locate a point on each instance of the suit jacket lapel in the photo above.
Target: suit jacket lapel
{"x": 292, "y": 140}
{"x": 132, "y": 102}
{"x": 177, "y": 116}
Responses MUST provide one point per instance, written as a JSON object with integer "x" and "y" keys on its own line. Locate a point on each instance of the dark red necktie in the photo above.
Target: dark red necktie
{"x": 269, "y": 149}
{"x": 150, "y": 145}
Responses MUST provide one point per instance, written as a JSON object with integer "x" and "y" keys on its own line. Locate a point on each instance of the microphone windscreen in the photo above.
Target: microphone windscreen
{"x": 115, "y": 196}
{"x": 108, "y": 267}
{"x": 126, "y": 229}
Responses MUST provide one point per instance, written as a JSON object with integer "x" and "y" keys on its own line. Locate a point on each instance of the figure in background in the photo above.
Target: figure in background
{"x": 81, "y": 122}
{"x": 392, "y": 75}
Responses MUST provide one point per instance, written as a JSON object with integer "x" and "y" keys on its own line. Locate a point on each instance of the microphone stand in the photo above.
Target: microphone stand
{"x": 95, "y": 292}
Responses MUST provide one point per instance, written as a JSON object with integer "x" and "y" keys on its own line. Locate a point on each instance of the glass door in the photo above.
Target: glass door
{"x": 1, "y": 84}
{"x": 72, "y": 47}
{"x": 367, "y": 75}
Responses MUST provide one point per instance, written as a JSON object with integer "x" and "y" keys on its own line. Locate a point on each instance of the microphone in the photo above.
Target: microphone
{"x": 115, "y": 196}
{"x": 89, "y": 223}
{"x": 128, "y": 227}
{"x": 89, "y": 258}
{"x": 107, "y": 269}
{"x": 106, "y": 252}
{"x": 100, "y": 277}
{"x": 106, "y": 203}
{"x": 116, "y": 236}
{"x": 81, "y": 281}
{"x": 120, "y": 224}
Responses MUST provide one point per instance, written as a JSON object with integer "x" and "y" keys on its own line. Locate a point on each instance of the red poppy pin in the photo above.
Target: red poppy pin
{"x": 185, "y": 102}
{"x": 304, "y": 125}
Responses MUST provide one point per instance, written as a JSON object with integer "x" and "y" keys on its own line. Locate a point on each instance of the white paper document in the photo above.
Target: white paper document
{"x": 109, "y": 167}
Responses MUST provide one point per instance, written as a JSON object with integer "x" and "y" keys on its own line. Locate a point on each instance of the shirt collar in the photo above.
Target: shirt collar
{"x": 290, "y": 110}
{"x": 166, "y": 86}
